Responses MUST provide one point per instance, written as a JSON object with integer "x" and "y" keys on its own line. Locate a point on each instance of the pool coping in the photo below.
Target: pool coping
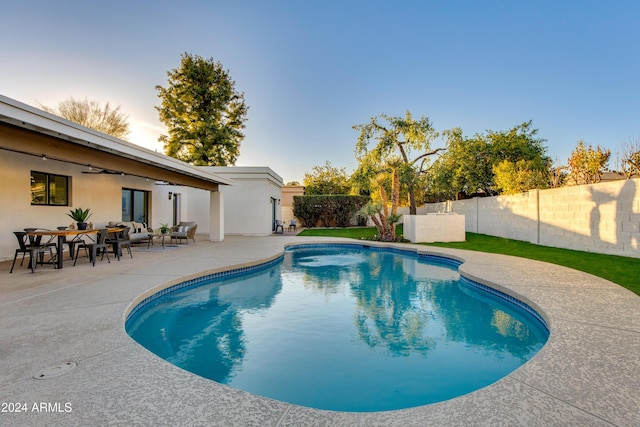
{"x": 586, "y": 374}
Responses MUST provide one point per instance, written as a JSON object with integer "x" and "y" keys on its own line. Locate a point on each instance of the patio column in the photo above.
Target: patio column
{"x": 216, "y": 216}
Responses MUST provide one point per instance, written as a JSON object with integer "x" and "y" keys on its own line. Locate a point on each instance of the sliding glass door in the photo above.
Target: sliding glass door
{"x": 135, "y": 205}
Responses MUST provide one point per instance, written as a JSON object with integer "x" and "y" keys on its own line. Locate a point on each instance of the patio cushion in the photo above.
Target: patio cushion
{"x": 138, "y": 231}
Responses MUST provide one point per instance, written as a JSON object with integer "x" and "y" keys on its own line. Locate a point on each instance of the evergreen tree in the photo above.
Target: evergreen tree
{"x": 203, "y": 113}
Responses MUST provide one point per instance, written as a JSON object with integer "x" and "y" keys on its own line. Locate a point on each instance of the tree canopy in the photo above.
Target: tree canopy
{"x": 399, "y": 137}
{"x": 91, "y": 114}
{"x": 469, "y": 165}
{"x": 587, "y": 164}
{"x": 204, "y": 114}
{"x": 323, "y": 180}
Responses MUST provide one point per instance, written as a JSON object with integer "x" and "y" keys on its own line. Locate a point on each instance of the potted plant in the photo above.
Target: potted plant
{"x": 164, "y": 228}
{"x": 80, "y": 216}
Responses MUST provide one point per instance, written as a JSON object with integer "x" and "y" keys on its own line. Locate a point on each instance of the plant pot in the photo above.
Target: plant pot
{"x": 82, "y": 226}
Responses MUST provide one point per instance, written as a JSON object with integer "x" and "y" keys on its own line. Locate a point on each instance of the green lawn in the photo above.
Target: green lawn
{"x": 621, "y": 270}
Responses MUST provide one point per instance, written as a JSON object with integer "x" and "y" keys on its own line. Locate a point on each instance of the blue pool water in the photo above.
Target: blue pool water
{"x": 342, "y": 327}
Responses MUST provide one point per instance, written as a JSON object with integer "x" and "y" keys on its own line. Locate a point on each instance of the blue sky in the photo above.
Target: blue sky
{"x": 310, "y": 70}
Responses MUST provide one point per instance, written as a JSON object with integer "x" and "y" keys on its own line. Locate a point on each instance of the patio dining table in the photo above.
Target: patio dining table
{"x": 61, "y": 234}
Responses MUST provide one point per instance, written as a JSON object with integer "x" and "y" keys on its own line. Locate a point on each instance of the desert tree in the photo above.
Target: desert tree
{"x": 408, "y": 139}
{"x": 385, "y": 219}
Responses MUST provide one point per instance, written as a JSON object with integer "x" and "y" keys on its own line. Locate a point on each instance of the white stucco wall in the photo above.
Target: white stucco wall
{"x": 248, "y": 204}
{"x": 248, "y": 208}
{"x": 434, "y": 227}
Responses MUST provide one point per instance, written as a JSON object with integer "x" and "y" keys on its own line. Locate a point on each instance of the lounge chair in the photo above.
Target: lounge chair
{"x": 184, "y": 231}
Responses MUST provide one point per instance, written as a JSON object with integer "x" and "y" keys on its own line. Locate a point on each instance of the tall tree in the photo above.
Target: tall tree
{"x": 203, "y": 112}
{"x": 469, "y": 164}
{"x": 465, "y": 168}
{"x": 396, "y": 136}
{"x": 326, "y": 180}
{"x": 91, "y": 114}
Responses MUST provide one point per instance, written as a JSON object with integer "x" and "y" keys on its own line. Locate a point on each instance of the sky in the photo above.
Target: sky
{"x": 311, "y": 70}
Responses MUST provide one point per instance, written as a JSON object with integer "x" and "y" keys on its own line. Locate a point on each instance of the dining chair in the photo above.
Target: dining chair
{"x": 94, "y": 248}
{"x": 36, "y": 241}
{"x": 34, "y": 252}
{"x": 120, "y": 240}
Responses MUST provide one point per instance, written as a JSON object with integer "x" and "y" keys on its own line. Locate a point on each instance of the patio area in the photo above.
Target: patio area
{"x": 66, "y": 359}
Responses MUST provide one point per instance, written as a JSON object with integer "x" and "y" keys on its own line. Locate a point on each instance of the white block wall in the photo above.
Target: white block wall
{"x": 602, "y": 218}
{"x": 440, "y": 227}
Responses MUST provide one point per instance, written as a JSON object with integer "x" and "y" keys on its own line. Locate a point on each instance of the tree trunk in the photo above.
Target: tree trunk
{"x": 412, "y": 200}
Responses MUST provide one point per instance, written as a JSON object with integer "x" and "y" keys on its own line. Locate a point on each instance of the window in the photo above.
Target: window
{"x": 135, "y": 205}
{"x": 49, "y": 189}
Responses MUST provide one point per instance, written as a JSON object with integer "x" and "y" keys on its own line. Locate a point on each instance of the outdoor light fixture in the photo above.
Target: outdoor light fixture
{"x": 170, "y": 194}
{"x": 44, "y": 158}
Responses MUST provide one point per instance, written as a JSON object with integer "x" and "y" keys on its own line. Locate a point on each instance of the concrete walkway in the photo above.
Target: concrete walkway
{"x": 67, "y": 361}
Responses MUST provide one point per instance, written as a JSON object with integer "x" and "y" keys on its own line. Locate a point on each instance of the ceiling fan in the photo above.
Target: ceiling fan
{"x": 93, "y": 170}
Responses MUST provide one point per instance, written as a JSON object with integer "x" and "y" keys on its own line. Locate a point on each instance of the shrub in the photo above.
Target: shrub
{"x": 329, "y": 209}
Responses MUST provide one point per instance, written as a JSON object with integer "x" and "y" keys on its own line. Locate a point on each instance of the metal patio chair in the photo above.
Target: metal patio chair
{"x": 34, "y": 251}
{"x": 94, "y": 248}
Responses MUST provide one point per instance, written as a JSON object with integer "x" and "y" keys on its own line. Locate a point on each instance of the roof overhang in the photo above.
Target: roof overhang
{"x": 247, "y": 173}
{"x": 59, "y": 139}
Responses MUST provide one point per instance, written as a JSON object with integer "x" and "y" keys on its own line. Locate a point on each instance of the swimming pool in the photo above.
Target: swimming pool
{"x": 342, "y": 327}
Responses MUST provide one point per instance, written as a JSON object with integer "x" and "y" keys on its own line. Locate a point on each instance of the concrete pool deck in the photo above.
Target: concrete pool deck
{"x": 66, "y": 328}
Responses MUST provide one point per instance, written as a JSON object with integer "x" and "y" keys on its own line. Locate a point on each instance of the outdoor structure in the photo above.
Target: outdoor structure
{"x": 50, "y": 165}
{"x": 429, "y": 228}
{"x": 251, "y": 205}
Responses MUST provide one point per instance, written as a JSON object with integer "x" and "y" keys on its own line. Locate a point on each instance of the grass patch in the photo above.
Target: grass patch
{"x": 351, "y": 232}
{"x": 624, "y": 271}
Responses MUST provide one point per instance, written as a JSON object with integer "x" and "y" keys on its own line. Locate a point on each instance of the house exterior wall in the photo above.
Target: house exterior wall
{"x": 248, "y": 204}
{"x": 101, "y": 193}
{"x": 34, "y": 140}
{"x": 194, "y": 206}
{"x": 286, "y": 208}
{"x": 602, "y": 218}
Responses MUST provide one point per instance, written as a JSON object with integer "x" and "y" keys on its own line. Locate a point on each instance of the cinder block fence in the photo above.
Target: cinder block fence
{"x": 602, "y": 218}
